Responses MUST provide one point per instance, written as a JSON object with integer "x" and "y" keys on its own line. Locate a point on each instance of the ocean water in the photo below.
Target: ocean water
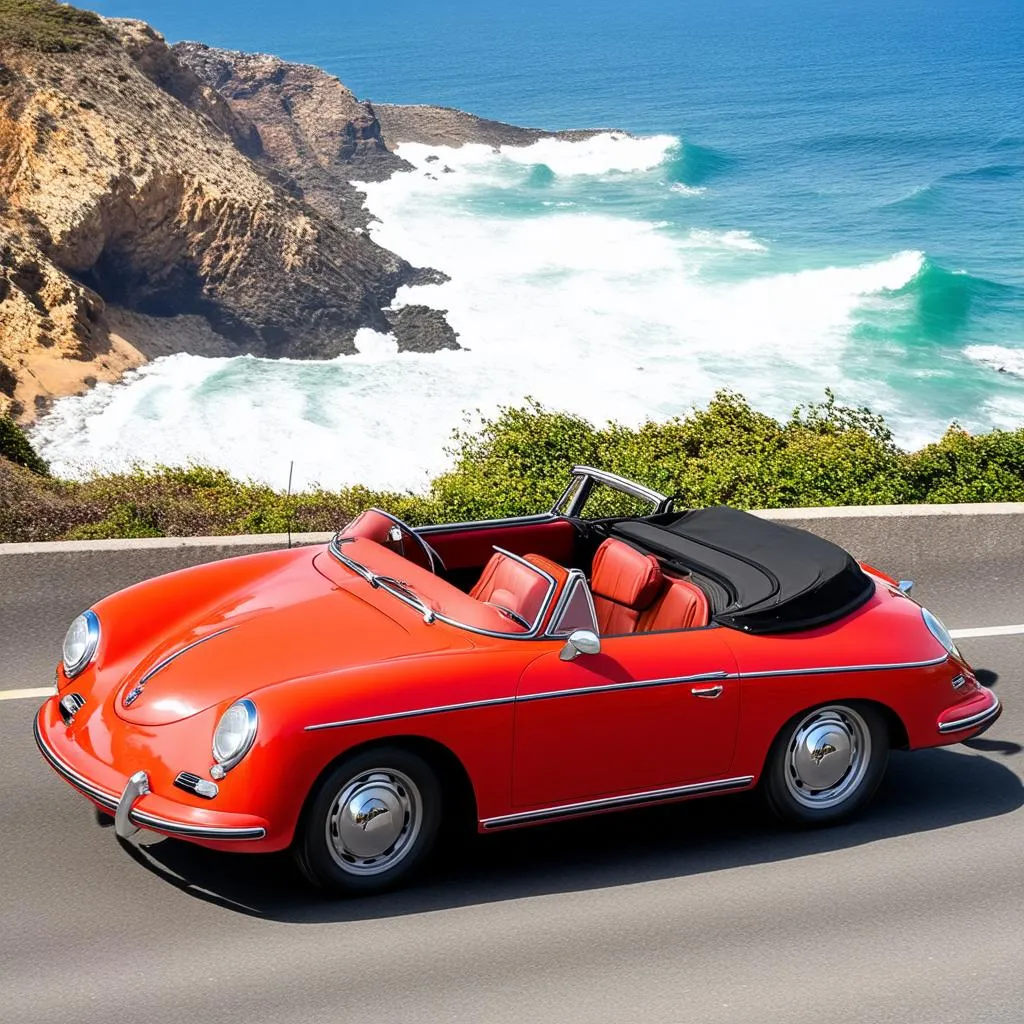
{"x": 818, "y": 194}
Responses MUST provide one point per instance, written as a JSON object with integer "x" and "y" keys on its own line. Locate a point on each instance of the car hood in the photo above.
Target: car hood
{"x": 291, "y": 624}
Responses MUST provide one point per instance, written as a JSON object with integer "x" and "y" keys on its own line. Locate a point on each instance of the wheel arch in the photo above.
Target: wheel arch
{"x": 456, "y": 785}
{"x": 895, "y": 727}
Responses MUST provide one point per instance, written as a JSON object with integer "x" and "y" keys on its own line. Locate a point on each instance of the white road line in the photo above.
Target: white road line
{"x": 39, "y": 691}
{"x": 959, "y": 634}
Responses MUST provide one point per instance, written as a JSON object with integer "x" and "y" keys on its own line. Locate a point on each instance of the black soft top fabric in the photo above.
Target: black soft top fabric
{"x": 778, "y": 578}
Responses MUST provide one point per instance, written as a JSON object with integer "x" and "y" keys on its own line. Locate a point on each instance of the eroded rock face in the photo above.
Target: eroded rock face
{"x": 126, "y": 181}
{"x": 156, "y": 199}
{"x": 312, "y": 128}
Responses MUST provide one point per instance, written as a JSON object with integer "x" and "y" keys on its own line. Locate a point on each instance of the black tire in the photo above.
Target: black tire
{"x": 334, "y": 846}
{"x": 800, "y": 755}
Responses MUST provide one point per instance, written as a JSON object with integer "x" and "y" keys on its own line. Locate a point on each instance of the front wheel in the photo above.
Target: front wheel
{"x": 371, "y": 823}
{"x": 826, "y": 764}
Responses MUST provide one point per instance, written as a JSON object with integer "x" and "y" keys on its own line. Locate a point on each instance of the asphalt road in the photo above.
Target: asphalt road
{"x": 705, "y": 912}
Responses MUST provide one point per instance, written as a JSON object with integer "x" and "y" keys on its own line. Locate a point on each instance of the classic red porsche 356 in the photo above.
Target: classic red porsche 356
{"x": 341, "y": 700}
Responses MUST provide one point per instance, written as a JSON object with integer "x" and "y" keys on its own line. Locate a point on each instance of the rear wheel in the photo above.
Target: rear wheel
{"x": 826, "y": 764}
{"x": 371, "y": 822}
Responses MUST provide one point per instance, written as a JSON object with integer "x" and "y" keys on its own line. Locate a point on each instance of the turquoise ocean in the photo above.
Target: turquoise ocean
{"x": 813, "y": 194}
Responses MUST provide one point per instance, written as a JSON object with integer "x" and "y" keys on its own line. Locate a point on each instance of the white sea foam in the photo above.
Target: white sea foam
{"x": 998, "y": 357}
{"x": 600, "y": 314}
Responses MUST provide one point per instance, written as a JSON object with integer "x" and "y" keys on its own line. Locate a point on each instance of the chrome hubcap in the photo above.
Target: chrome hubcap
{"x": 828, "y": 756}
{"x": 374, "y": 821}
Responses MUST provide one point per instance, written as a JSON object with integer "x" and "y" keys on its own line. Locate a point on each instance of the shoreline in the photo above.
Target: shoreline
{"x": 203, "y": 205}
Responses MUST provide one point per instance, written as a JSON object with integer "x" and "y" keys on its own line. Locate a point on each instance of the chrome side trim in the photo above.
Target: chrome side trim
{"x": 829, "y": 669}
{"x": 633, "y": 685}
{"x": 609, "y": 803}
{"x": 110, "y": 801}
{"x": 177, "y": 654}
{"x": 495, "y": 702}
{"x": 980, "y": 718}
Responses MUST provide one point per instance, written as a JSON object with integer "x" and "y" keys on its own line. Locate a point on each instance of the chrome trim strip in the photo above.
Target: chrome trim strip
{"x": 959, "y": 724}
{"x": 609, "y": 803}
{"x": 485, "y": 524}
{"x": 177, "y": 654}
{"x": 177, "y": 828}
{"x": 634, "y": 685}
{"x": 829, "y": 669}
{"x": 361, "y": 572}
{"x": 576, "y": 579}
{"x": 621, "y": 483}
{"x": 495, "y": 702}
{"x": 102, "y": 796}
{"x": 545, "y": 604}
{"x": 110, "y": 801}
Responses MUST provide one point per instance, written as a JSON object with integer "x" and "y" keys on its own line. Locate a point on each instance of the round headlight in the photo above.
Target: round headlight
{"x": 235, "y": 733}
{"x": 939, "y": 631}
{"x": 80, "y": 643}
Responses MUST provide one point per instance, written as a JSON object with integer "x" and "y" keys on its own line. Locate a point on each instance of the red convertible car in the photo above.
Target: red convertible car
{"x": 343, "y": 700}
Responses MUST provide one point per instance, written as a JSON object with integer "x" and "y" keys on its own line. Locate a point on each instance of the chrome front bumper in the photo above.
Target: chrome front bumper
{"x": 127, "y": 819}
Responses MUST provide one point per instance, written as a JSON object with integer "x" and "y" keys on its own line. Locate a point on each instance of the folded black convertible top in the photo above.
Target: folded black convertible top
{"x": 778, "y": 578}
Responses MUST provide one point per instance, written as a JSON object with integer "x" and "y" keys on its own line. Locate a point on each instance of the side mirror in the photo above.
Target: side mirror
{"x": 581, "y": 641}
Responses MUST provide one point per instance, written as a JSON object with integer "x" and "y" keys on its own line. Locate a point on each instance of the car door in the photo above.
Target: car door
{"x": 650, "y": 711}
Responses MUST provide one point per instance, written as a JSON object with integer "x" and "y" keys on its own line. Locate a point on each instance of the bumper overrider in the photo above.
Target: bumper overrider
{"x": 972, "y": 716}
{"x": 134, "y": 806}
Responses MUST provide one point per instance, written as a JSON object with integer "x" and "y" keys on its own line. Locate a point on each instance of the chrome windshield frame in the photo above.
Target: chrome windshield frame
{"x": 418, "y": 602}
{"x": 581, "y": 483}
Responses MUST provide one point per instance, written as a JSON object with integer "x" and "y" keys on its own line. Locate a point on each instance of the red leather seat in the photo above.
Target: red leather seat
{"x": 632, "y": 595}
{"x": 507, "y": 583}
{"x": 682, "y": 605}
{"x": 624, "y": 583}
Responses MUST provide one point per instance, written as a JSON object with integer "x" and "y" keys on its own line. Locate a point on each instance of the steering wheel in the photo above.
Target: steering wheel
{"x": 508, "y": 613}
{"x": 430, "y": 558}
{"x": 384, "y": 528}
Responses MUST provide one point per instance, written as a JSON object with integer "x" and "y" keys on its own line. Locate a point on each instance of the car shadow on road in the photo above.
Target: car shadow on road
{"x": 927, "y": 790}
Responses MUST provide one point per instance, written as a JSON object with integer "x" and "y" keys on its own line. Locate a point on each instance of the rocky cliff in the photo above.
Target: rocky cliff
{"x": 157, "y": 199}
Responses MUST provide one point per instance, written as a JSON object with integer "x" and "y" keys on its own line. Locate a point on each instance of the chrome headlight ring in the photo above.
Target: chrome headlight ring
{"x": 234, "y": 735}
{"x": 80, "y": 643}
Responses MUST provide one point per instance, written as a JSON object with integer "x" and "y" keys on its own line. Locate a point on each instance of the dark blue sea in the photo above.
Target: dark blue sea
{"x": 822, "y": 194}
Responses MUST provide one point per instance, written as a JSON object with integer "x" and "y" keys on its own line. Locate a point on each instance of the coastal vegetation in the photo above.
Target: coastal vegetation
{"x": 48, "y": 26}
{"x": 518, "y": 461}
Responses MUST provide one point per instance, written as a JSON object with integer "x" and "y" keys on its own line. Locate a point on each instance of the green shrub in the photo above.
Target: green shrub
{"x": 519, "y": 461}
{"x": 14, "y": 445}
{"x": 969, "y": 467}
{"x": 48, "y": 26}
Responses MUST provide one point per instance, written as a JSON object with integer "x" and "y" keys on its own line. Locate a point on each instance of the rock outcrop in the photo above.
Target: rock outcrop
{"x": 128, "y": 182}
{"x": 157, "y": 199}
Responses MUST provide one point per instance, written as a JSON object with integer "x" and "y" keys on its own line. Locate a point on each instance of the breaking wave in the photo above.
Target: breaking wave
{"x": 568, "y": 283}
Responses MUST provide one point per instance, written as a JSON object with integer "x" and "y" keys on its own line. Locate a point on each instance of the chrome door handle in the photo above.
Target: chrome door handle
{"x": 707, "y": 691}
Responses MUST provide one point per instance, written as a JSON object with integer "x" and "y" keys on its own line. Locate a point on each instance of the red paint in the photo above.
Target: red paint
{"x": 311, "y": 643}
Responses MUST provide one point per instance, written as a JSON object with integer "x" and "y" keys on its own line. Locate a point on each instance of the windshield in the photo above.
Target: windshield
{"x": 433, "y": 597}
